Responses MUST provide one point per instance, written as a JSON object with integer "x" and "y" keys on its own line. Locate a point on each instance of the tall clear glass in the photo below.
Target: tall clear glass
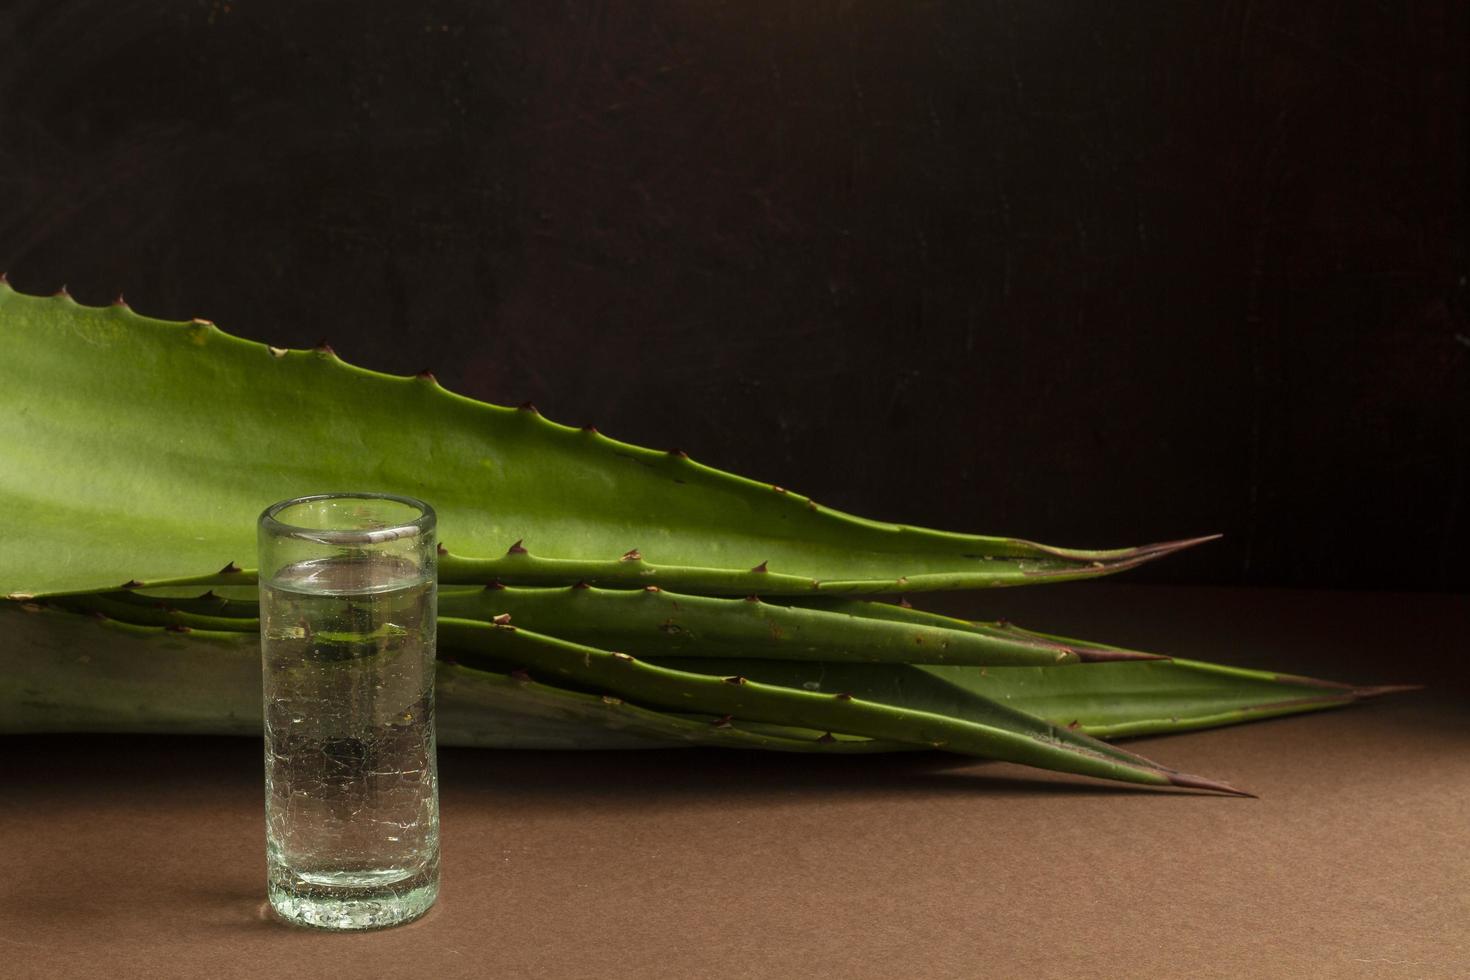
{"x": 347, "y": 607}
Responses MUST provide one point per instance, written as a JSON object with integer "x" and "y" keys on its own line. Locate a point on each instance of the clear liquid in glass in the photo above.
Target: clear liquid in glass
{"x": 352, "y": 810}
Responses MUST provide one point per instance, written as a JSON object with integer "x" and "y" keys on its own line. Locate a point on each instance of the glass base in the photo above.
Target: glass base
{"x": 350, "y": 901}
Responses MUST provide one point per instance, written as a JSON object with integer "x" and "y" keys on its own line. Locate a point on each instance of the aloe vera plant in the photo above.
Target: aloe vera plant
{"x": 610, "y": 590}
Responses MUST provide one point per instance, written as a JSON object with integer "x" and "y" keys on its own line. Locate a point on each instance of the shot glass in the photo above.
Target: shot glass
{"x": 347, "y": 628}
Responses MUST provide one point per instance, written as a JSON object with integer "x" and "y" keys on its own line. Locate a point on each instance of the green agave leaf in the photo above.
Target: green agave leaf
{"x": 1103, "y": 700}
{"x": 140, "y": 451}
{"x": 1004, "y": 734}
{"x": 1113, "y": 697}
{"x": 64, "y": 672}
{"x": 655, "y": 623}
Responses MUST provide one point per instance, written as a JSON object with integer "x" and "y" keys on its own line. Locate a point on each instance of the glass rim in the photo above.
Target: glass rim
{"x": 418, "y": 527}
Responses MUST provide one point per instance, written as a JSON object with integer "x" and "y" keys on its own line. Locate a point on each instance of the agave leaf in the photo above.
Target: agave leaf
{"x": 1103, "y": 700}
{"x": 64, "y": 672}
{"x": 655, "y": 623}
{"x": 141, "y": 451}
{"x": 1114, "y": 697}
{"x": 1006, "y": 735}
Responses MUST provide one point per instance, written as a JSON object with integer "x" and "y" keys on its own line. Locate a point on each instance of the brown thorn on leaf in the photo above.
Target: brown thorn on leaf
{"x": 62, "y": 293}
{"x": 276, "y": 352}
{"x": 100, "y": 616}
{"x": 778, "y": 489}
{"x": 581, "y": 584}
{"x": 131, "y": 583}
{"x": 827, "y": 738}
{"x": 608, "y": 699}
{"x": 622, "y": 657}
{"x": 903, "y": 603}
{"x": 1075, "y": 724}
{"x": 760, "y": 569}
{"x": 427, "y": 375}
{"x": 752, "y": 598}
{"x": 678, "y": 453}
{"x": 590, "y": 429}
{"x": 528, "y": 406}
{"x": 200, "y": 321}
{"x": 811, "y": 503}
{"x": 632, "y": 554}
{"x": 322, "y": 347}
{"x": 120, "y": 301}
{"x": 441, "y": 550}
{"x": 737, "y": 679}
{"x": 230, "y": 569}
{"x": 494, "y": 586}
{"x": 843, "y": 696}
{"x": 502, "y": 620}
{"x": 178, "y": 628}
{"x": 520, "y": 674}
{"x": 517, "y": 548}
{"x": 723, "y": 721}
{"x": 652, "y": 588}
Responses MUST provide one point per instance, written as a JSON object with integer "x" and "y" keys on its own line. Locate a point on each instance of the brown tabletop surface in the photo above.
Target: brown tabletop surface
{"x": 144, "y": 856}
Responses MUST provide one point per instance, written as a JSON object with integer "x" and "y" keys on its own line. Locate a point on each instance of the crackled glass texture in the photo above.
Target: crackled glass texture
{"x": 347, "y": 604}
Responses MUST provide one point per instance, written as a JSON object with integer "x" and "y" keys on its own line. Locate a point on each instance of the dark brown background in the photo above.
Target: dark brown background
{"x": 1092, "y": 273}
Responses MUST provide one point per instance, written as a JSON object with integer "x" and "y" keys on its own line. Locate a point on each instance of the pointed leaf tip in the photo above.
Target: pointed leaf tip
{"x": 1378, "y": 691}
{"x": 1186, "y": 781}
